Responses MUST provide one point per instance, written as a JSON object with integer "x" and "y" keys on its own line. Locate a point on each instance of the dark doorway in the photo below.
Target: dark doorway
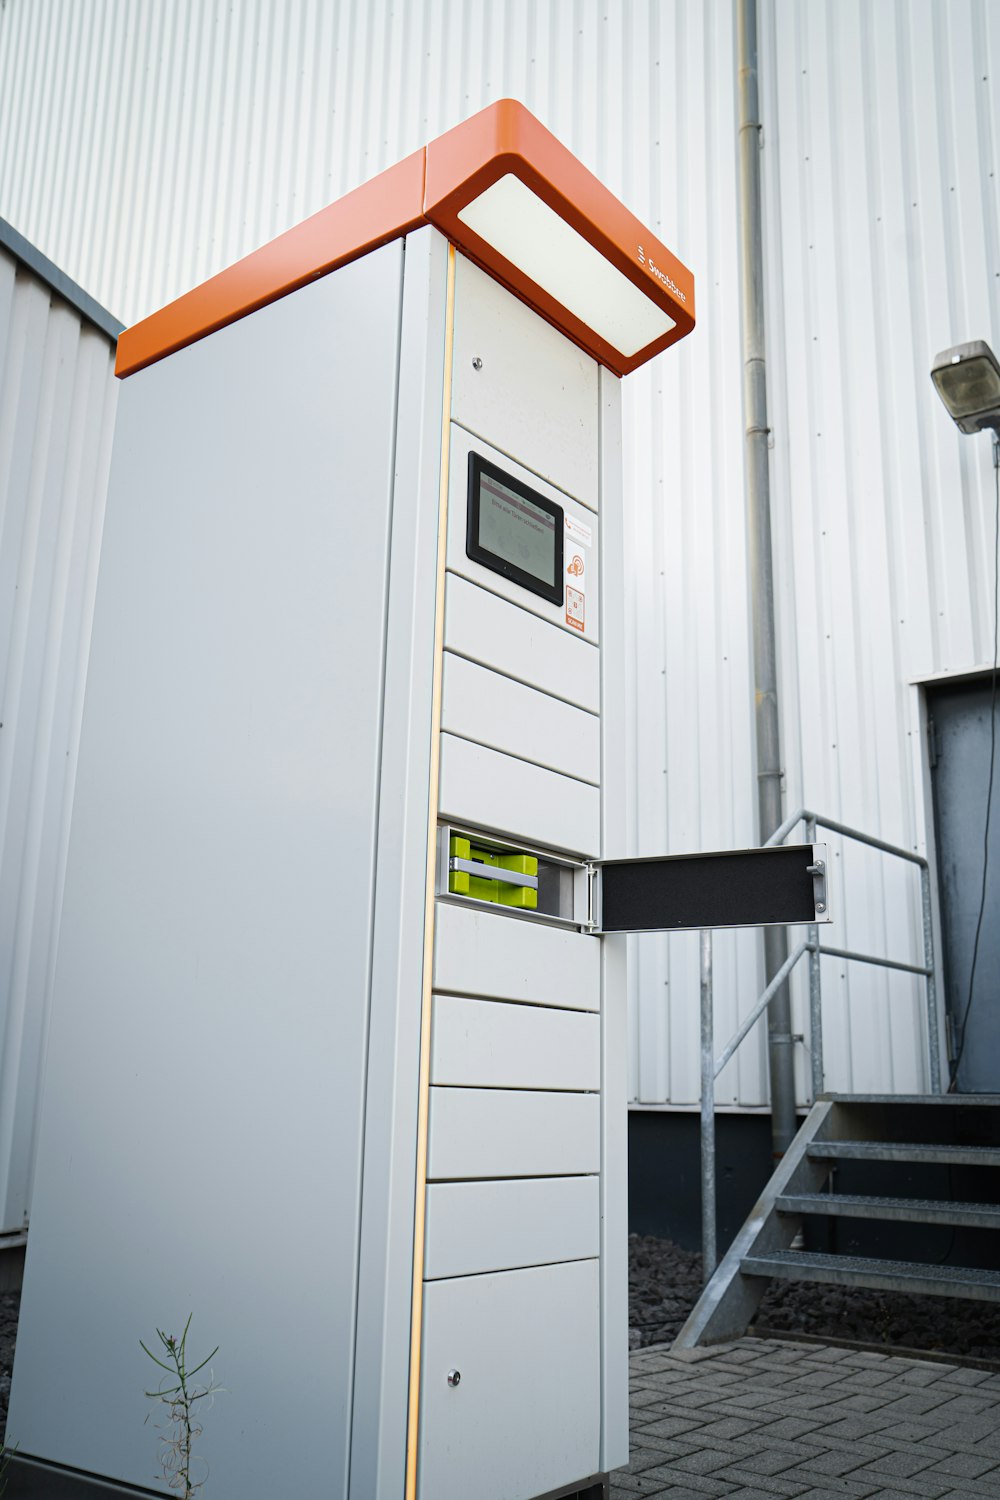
{"x": 960, "y": 772}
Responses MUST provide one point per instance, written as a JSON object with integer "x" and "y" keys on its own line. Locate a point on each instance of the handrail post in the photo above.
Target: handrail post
{"x": 711, "y": 1066}
{"x": 815, "y": 991}
{"x": 708, "y": 1245}
{"x": 933, "y": 1035}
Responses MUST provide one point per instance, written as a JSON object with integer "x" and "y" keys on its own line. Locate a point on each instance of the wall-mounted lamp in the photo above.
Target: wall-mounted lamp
{"x": 967, "y": 379}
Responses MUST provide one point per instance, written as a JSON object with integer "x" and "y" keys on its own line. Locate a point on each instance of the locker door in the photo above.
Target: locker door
{"x": 525, "y": 1415}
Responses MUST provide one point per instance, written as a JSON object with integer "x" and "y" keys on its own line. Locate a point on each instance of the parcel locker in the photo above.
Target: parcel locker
{"x": 336, "y": 1061}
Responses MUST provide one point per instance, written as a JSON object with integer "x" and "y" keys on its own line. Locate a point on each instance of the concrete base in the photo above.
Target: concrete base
{"x": 33, "y": 1479}
{"x": 596, "y": 1488}
{"x": 12, "y": 1249}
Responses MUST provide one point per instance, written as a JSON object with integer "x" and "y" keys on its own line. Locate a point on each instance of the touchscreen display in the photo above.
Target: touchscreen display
{"x": 517, "y": 529}
{"x": 514, "y": 530}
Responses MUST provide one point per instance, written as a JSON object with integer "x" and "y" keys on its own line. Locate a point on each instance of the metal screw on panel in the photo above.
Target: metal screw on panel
{"x": 821, "y": 906}
{"x": 454, "y": 1377}
{"x": 477, "y": 364}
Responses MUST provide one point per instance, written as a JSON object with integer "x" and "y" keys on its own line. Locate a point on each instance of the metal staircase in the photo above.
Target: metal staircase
{"x": 941, "y": 1151}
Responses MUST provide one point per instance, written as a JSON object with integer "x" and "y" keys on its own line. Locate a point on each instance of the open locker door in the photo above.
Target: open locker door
{"x": 782, "y": 885}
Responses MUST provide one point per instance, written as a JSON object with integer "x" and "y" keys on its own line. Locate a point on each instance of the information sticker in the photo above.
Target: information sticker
{"x": 578, "y": 533}
{"x": 578, "y": 540}
{"x": 576, "y": 608}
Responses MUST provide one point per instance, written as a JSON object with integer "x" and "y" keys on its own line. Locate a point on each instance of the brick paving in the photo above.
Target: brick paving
{"x": 760, "y": 1419}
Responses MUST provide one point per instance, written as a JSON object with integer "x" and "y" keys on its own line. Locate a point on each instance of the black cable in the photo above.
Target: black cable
{"x": 953, "y": 1077}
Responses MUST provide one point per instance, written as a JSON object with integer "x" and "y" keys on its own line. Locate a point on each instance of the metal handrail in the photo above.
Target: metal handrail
{"x": 712, "y": 1066}
{"x": 805, "y": 816}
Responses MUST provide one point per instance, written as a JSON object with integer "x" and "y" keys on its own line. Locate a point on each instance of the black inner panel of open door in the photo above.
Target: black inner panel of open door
{"x": 743, "y": 888}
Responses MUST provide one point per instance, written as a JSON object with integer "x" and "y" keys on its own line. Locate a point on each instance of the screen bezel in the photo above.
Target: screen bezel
{"x": 478, "y": 466}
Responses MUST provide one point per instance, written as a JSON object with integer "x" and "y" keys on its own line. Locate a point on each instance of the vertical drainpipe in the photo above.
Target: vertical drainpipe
{"x": 779, "y": 1015}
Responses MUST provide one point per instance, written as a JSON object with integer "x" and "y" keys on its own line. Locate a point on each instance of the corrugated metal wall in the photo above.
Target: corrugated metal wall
{"x": 57, "y": 404}
{"x": 143, "y": 147}
{"x": 881, "y": 127}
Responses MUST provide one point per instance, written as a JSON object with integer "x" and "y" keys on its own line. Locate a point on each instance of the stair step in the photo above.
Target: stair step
{"x": 958, "y": 1156}
{"x": 912, "y": 1210}
{"x": 880, "y": 1275}
{"x": 961, "y": 1102}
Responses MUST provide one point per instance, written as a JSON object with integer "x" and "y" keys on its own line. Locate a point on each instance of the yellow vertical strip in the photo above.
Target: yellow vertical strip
{"x": 423, "y": 1106}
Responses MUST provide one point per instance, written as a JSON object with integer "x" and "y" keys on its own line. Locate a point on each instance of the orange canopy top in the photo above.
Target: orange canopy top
{"x": 441, "y": 185}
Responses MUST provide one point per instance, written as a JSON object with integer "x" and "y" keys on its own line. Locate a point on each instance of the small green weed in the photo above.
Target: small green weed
{"x": 180, "y": 1397}
{"x": 6, "y": 1454}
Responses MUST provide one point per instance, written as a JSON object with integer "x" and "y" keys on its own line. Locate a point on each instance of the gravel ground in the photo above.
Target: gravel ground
{"x": 10, "y": 1303}
{"x": 665, "y": 1281}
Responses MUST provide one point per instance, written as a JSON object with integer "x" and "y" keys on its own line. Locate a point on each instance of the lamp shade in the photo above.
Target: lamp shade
{"x": 967, "y": 378}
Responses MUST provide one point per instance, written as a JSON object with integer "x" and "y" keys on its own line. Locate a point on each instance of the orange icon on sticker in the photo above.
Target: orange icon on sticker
{"x": 575, "y": 568}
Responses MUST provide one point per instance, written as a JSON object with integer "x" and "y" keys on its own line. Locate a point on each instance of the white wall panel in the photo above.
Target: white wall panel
{"x": 57, "y": 404}
{"x": 690, "y": 692}
{"x": 881, "y": 125}
{"x": 144, "y": 147}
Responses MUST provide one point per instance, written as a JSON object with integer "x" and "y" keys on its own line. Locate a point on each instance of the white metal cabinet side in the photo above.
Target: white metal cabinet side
{"x": 485, "y": 628}
{"x": 525, "y": 1416}
{"x": 540, "y": 406}
{"x": 207, "y": 1043}
{"x": 378, "y": 1441}
{"x": 474, "y": 1227}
